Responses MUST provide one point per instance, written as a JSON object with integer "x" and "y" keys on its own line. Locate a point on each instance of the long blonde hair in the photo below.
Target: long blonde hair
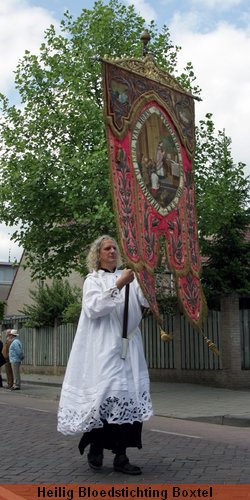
{"x": 93, "y": 257}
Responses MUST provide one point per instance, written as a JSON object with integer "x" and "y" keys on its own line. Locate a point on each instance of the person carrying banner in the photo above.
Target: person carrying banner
{"x": 106, "y": 395}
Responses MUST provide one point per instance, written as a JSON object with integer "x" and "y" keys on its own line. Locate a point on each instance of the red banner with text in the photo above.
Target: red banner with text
{"x": 129, "y": 491}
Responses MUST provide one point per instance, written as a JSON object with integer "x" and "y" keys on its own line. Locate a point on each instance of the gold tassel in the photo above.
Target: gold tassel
{"x": 166, "y": 337}
{"x": 212, "y": 346}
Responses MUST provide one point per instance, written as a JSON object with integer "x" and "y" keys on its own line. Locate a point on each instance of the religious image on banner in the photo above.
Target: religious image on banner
{"x": 157, "y": 163}
{"x": 151, "y": 139}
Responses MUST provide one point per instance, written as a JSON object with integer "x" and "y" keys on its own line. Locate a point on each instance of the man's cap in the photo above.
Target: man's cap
{"x": 14, "y": 332}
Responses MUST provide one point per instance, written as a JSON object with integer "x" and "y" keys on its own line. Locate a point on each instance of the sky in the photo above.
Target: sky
{"x": 214, "y": 36}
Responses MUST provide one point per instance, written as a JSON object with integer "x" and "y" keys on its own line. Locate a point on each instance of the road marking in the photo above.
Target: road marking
{"x": 176, "y": 434}
{"x": 36, "y": 409}
{"x": 28, "y": 408}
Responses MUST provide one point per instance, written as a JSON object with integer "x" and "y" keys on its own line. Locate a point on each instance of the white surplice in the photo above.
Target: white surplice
{"x": 98, "y": 384}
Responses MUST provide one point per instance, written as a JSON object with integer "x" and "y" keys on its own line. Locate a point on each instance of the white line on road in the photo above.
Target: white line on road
{"x": 36, "y": 409}
{"x": 176, "y": 434}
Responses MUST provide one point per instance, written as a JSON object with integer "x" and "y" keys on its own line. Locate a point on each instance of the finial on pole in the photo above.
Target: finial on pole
{"x": 145, "y": 38}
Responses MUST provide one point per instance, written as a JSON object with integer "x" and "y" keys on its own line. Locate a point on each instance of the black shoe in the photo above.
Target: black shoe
{"x": 122, "y": 464}
{"x": 95, "y": 461}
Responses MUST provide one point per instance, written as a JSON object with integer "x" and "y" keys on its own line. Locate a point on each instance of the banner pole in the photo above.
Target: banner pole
{"x": 125, "y": 324}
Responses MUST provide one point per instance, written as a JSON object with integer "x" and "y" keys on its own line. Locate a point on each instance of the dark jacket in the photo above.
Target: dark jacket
{"x": 2, "y": 358}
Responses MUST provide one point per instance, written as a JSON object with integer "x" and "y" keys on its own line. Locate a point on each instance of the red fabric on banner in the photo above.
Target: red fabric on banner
{"x": 150, "y": 131}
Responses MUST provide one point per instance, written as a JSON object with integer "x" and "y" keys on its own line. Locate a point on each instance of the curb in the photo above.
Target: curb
{"x": 38, "y": 382}
{"x": 230, "y": 420}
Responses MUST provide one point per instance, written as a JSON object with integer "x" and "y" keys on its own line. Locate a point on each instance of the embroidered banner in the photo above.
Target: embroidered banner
{"x": 150, "y": 133}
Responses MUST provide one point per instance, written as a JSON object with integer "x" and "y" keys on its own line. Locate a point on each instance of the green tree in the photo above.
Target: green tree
{"x": 223, "y": 213}
{"x": 222, "y": 190}
{"x": 54, "y": 178}
{"x": 55, "y": 304}
{"x": 72, "y": 313}
{"x": 54, "y": 168}
{"x": 227, "y": 269}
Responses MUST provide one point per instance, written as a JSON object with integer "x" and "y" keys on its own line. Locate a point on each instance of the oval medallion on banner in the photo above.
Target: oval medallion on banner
{"x": 157, "y": 159}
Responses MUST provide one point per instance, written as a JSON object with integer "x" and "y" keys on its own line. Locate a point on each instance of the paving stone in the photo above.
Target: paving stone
{"x": 38, "y": 454}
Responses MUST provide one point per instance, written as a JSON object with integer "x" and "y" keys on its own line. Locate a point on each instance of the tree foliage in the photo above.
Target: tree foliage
{"x": 227, "y": 269}
{"x": 54, "y": 178}
{"x": 222, "y": 190}
{"x": 223, "y": 213}
{"x": 55, "y": 304}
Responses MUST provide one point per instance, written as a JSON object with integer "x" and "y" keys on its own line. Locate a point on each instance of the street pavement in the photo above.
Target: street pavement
{"x": 184, "y": 443}
{"x": 175, "y": 400}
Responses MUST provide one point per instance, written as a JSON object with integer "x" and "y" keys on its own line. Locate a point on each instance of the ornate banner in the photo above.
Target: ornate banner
{"x": 150, "y": 132}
